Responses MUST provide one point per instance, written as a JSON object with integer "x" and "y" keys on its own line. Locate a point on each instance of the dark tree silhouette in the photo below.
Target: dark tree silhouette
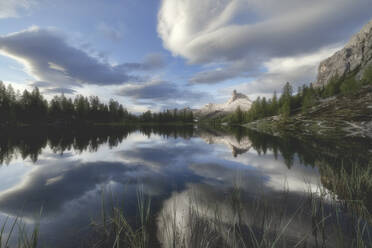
{"x": 32, "y": 108}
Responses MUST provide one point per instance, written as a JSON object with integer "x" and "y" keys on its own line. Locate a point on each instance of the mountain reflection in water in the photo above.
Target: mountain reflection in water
{"x": 65, "y": 171}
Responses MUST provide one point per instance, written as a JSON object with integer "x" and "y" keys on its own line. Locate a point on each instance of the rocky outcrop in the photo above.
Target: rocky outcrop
{"x": 356, "y": 56}
{"x": 236, "y": 100}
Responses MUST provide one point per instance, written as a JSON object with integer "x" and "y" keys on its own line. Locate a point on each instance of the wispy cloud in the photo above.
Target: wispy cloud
{"x": 153, "y": 61}
{"x": 59, "y": 91}
{"x": 244, "y": 34}
{"x": 161, "y": 94}
{"x": 296, "y": 70}
{"x": 110, "y": 32}
{"x": 48, "y": 58}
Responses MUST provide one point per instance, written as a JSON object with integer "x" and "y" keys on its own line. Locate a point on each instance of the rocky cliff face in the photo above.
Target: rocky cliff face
{"x": 236, "y": 100}
{"x": 356, "y": 55}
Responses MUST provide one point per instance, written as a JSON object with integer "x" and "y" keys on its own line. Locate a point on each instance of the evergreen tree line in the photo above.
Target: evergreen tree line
{"x": 306, "y": 97}
{"x": 33, "y": 108}
{"x": 175, "y": 115}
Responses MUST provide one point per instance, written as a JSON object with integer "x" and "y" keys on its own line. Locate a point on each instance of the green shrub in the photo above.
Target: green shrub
{"x": 307, "y": 102}
{"x": 367, "y": 75}
{"x": 333, "y": 86}
{"x": 349, "y": 85}
{"x": 285, "y": 110}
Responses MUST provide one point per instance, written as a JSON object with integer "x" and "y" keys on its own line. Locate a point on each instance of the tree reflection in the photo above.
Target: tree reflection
{"x": 28, "y": 143}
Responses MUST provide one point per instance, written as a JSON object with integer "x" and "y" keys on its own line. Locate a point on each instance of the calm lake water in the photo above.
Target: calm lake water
{"x": 60, "y": 179}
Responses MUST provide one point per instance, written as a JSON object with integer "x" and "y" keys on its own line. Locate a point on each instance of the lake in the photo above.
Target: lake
{"x": 183, "y": 187}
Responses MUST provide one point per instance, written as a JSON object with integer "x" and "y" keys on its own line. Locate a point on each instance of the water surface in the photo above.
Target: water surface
{"x": 59, "y": 178}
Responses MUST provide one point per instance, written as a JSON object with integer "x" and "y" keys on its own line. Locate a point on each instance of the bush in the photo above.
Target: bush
{"x": 349, "y": 85}
{"x": 307, "y": 102}
{"x": 367, "y": 75}
{"x": 333, "y": 87}
{"x": 285, "y": 110}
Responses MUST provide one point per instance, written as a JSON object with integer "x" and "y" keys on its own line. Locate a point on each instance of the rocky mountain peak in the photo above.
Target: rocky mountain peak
{"x": 237, "y": 100}
{"x": 356, "y": 55}
{"x": 236, "y": 95}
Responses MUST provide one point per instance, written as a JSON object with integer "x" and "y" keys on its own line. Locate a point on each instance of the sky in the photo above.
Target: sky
{"x": 159, "y": 54}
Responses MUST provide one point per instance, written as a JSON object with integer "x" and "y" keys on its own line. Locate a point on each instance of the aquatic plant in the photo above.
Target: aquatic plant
{"x": 314, "y": 221}
{"x": 117, "y": 230}
{"x": 25, "y": 238}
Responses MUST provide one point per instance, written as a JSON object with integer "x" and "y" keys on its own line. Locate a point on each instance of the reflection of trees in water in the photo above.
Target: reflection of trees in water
{"x": 344, "y": 164}
{"x": 165, "y": 131}
{"x": 311, "y": 151}
{"x": 16, "y": 144}
{"x": 327, "y": 155}
{"x": 29, "y": 142}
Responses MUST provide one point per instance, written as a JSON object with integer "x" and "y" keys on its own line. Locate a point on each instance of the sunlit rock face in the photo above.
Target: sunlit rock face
{"x": 236, "y": 100}
{"x": 356, "y": 55}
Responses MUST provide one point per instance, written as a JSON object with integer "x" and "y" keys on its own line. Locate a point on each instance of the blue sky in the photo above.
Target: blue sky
{"x": 170, "y": 53}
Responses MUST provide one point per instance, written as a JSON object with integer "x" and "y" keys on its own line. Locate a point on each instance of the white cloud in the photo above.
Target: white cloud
{"x": 297, "y": 70}
{"x": 246, "y": 34}
{"x": 160, "y": 94}
{"x": 52, "y": 62}
{"x": 12, "y": 8}
{"x": 207, "y": 31}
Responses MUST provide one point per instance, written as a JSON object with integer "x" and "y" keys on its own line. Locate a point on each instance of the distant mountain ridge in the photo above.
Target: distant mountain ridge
{"x": 355, "y": 56}
{"x": 236, "y": 100}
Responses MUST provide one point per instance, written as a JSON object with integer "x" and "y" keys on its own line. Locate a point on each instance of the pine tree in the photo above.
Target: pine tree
{"x": 285, "y": 100}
